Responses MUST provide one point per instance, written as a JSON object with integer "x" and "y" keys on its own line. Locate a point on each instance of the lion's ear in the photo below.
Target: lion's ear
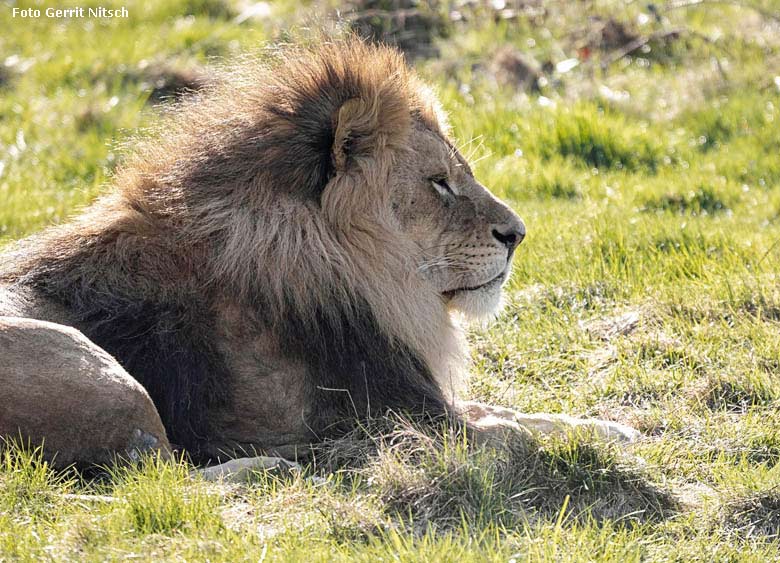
{"x": 354, "y": 129}
{"x": 364, "y": 126}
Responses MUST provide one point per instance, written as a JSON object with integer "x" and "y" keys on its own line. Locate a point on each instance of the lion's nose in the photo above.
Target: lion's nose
{"x": 510, "y": 234}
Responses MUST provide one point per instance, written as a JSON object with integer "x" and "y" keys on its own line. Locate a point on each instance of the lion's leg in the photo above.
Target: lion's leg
{"x": 60, "y": 389}
{"x": 492, "y": 419}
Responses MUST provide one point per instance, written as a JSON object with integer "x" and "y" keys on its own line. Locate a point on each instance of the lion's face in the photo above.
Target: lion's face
{"x": 466, "y": 236}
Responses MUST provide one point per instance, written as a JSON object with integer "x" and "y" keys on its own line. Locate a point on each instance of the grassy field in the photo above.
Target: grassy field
{"x": 646, "y": 291}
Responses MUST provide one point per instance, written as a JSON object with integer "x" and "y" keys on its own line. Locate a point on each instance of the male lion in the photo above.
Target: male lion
{"x": 285, "y": 255}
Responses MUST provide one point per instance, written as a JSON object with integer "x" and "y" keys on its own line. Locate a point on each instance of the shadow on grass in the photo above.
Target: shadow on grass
{"x": 754, "y": 516}
{"x": 435, "y": 478}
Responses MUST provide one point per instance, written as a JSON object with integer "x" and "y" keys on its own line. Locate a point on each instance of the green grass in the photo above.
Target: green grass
{"x": 646, "y": 292}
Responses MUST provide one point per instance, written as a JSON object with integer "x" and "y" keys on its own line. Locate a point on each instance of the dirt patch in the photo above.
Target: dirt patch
{"x": 169, "y": 83}
{"x": 511, "y": 67}
{"x": 609, "y": 328}
{"x": 611, "y": 34}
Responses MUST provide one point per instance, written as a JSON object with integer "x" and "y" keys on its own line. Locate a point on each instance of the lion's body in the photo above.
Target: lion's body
{"x": 275, "y": 260}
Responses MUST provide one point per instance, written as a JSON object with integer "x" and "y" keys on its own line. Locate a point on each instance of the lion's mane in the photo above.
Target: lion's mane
{"x": 267, "y": 191}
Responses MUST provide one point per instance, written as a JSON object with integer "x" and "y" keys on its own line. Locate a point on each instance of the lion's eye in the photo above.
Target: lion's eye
{"x": 443, "y": 187}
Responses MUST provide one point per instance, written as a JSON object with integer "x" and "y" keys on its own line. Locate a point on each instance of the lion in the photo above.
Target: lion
{"x": 292, "y": 250}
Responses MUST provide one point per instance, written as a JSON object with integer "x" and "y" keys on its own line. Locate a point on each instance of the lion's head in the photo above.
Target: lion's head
{"x": 466, "y": 237}
{"x": 346, "y": 150}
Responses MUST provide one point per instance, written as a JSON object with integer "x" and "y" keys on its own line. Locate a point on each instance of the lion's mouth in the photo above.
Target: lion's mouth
{"x": 498, "y": 280}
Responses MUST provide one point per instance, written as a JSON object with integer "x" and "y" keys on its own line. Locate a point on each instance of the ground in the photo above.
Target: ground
{"x": 640, "y": 144}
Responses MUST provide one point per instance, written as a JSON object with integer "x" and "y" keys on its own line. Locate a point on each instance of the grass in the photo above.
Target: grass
{"x": 646, "y": 292}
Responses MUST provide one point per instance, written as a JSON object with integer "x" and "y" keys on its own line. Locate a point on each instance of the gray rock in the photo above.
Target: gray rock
{"x": 60, "y": 389}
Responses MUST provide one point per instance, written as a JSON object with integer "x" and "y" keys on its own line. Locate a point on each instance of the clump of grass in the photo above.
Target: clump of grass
{"x": 163, "y": 80}
{"x": 599, "y": 140}
{"x": 762, "y": 303}
{"x": 764, "y": 448}
{"x": 599, "y": 481}
{"x": 411, "y": 26}
{"x": 160, "y": 498}
{"x": 704, "y": 200}
{"x": 657, "y": 351}
{"x": 436, "y": 481}
{"x": 557, "y": 179}
{"x": 724, "y": 120}
{"x": 28, "y": 484}
{"x": 215, "y": 9}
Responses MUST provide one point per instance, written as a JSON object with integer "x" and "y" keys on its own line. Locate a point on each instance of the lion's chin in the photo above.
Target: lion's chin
{"x": 477, "y": 304}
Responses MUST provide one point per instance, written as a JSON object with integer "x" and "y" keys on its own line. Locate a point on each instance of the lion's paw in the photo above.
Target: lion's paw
{"x": 561, "y": 424}
{"x": 499, "y": 419}
{"x": 608, "y": 430}
{"x": 241, "y": 470}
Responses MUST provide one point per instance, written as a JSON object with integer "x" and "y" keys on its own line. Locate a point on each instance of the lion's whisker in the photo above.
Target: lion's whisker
{"x": 473, "y": 149}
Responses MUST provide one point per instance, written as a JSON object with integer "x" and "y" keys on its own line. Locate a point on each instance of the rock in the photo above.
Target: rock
{"x": 60, "y": 389}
